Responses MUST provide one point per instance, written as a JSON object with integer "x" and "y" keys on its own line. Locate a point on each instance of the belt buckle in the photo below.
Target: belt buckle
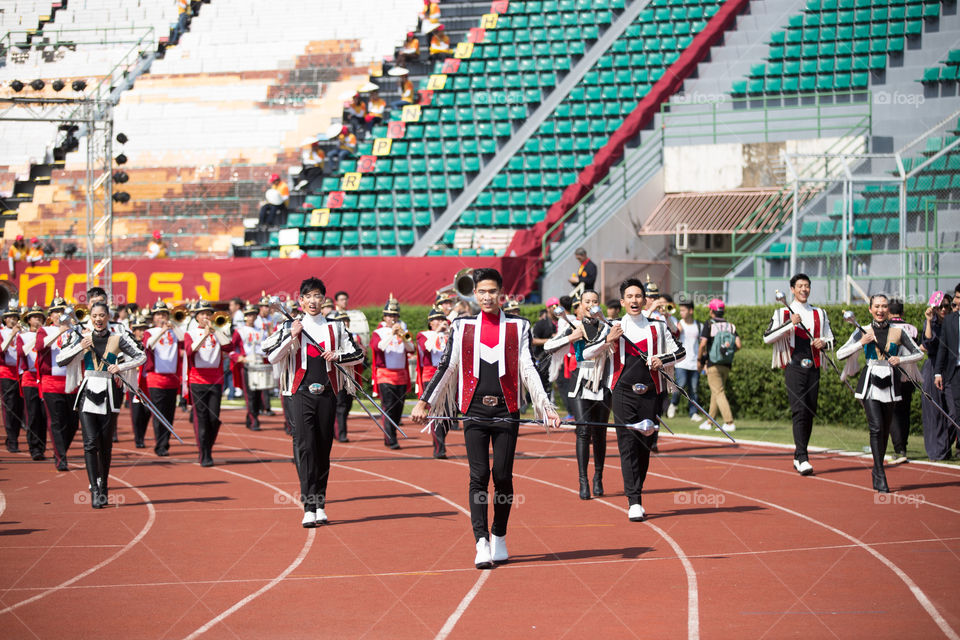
{"x": 316, "y": 388}
{"x": 806, "y": 363}
{"x": 640, "y": 388}
{"x": 490, "y": 401}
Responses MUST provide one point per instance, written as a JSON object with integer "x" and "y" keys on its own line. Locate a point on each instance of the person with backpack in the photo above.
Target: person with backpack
{"x": 799, "y": 336}
{"x": 719, "y": 342}
{"x": 687, "y": 374}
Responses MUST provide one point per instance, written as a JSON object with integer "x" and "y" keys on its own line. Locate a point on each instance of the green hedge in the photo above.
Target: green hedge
{"x": 754, "y": 389}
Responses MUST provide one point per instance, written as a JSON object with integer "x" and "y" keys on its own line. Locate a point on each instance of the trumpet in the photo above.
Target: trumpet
{"x": 670, "y": 308}
{"x": 401, "y": 333}
{"x": 179, "y": 314}
{"x": 80, "y": 312}
{"x": 221, "y": 320}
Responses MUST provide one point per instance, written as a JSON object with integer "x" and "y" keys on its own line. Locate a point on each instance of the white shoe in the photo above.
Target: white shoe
{"x": 706, "y": 426}
{"x": 483, "y": 560}
{"x": 498, "y": 548}
{"x": 671, "y": 410}
{"x": 309, "y": 520}
{"x": 696, "y": 417}
{"x": 729, "y": 428}
{"x": 636, "y": 513}
{"x": 803, "y": 468}
{"x": 321, "y": 517}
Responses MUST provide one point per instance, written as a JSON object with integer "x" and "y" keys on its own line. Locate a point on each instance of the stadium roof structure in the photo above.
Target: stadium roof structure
{"x": 738, "y": 211}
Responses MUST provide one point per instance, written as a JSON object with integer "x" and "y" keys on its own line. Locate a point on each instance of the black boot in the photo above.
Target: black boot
{"x": 92, "y": 460}
{"x": 878, "y": 448}
{"x": 599, "y": 456}
{"x": 583, "y": 457}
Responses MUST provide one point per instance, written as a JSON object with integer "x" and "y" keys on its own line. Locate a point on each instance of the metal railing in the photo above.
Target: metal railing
{"x": 820, "y": 115}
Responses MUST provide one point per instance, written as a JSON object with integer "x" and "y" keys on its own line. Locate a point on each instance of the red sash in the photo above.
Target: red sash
{"x": 509, "y": 382}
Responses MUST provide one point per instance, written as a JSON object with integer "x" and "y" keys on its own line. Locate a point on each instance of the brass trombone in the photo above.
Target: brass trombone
{"x": 179, "y": 314}
{"x": 221, "y": 320}
{"x": 80, "y": 312}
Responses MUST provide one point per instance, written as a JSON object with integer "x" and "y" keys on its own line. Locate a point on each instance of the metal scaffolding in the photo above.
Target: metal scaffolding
{"x": 94, "y": 119}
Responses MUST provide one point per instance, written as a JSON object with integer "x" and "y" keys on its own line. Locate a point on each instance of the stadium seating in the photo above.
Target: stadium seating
{"x": 947, "y": 72}
{"x": 834, "y": 45}
{"x": 477, "y": 101}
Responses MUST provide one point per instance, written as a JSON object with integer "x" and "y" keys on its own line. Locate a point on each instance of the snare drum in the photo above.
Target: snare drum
{"x": 260, "y": 376}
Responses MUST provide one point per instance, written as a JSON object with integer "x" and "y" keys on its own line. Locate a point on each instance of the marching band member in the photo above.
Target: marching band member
{"x": 389, "y": 346}
{"x": 34, "y": 413}
{"x": 10, "y": 377}
{"x": 900, "y": 426}
{"x": 99, "y": 294}
{"x": 58, "y": 398}
{"x": 94, "y": 357}
{"x": 880, "y": 384}
{"x": 246, "y": 352}
{"x": 310, "y": 377}
{"x": 267, "y": 322}
{"x": 639, "y": 348}
{"x": 344, "y": 398}
{"x": 486, "y": 358}
{"x": 799, "y": 354}
{"x": 589, "y": 399}
{"x": 204, "y": 347}
{"x": 430, "y": 347}
{"x": 139, "y": 414}
{"x": 160, "y": 374}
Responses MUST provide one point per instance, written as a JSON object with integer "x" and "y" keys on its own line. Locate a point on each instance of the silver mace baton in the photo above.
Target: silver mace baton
{"x": 282, "y": 308}
{"x": 144, "y": 399}
{"x": 782, "y": 299}
{"x": 850, "y": 317}
{"x": 696, "y": 404}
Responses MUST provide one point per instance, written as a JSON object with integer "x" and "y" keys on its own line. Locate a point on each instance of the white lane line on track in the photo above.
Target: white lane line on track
{"x": 693, "y": 600}
{"x": 308, "y": 543}
{"x": 3, "y": 503}
{"x": 151, "y": 518}
{"x": 509, "y": 567}
{"x": 481, "y": 579}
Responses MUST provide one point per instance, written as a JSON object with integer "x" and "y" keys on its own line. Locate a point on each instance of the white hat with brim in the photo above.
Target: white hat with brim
{"x": 398, "y": 72}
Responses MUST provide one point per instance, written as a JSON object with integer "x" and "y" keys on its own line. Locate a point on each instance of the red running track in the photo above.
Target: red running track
{"x": 737, "y": 545}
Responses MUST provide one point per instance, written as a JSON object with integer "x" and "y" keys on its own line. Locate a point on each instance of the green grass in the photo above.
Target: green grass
{"x": 828, "y": 436}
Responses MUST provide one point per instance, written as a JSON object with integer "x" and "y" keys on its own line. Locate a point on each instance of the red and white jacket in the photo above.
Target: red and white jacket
{"x": 8, "y": 362}
{"x": 782, "y": 333}
{"x": 651, "y": 337}
{"x": 388, "y": 358}
{"x": 246, "y": 344}
{"x": 53, "y": 377}
{"x": 430, "y": 348}
{"x": 461, "y": 362}
{"x": 27, "y": 359}
{"x": 164, "y": 359}
{"x": 289, "y": 355}
{"x": 204, "y": 356}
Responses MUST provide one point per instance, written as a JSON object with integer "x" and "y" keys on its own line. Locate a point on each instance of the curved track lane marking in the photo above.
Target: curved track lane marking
{"x": 693, "y": 600}
{"x": 484, "y": 575}
{"x": 3, "y": 503}
{"x": 308, "y": 543}
{"x": 151, "y": 518}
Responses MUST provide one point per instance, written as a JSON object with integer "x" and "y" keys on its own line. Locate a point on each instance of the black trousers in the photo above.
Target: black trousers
{"x": 265, "y": 399}
{"x": 879, "y": 417}
{"x": 140, "y": 417}
{"x": 900, "y": 425}
{"x": 392, "y": 395}
{"x": 479, "y": 435}
{"x": 590, "y": 411}
{"x": 313, "y": 417}
{"x": 936, "y": 429}
{"x": 344, "y": 404}
{"x": 97, "y": 448}
{"x": 35, "y": 417}
{"x": 628, "y": 407}
{"x": 166, "y": 401}
{"x": 253, "y": 398}
{"x": 62, "y": 421}
{"x": 803, "y": 392}
{"x": 951, "y": 393}
{"x": 287, "y": 415}
{"x": 12, "y": 411}
{"x": 206, "y": 415}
